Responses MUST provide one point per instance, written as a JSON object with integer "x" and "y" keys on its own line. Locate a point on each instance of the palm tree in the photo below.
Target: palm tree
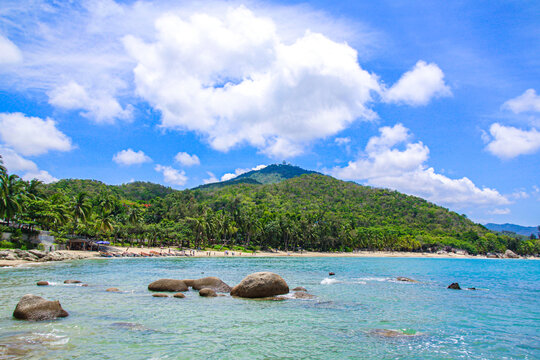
{"x": 80, "y": 208}
{"x": 104, "y": 222}
{"x": 11, "y": 196}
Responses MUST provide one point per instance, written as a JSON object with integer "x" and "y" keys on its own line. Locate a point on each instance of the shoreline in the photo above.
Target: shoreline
{"x": 77, "y": 255}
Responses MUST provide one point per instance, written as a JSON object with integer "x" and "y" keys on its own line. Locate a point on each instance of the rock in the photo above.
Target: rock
{"x": 299, "y": 288}
{"x": 331, "y": 273}
{"x": 206, "y": 292}
{"x": 454, "y": 286}
{"x": 491, "y": 256}
{"x": 72, "y": 282}
{"x": 32, "y": 307}
{"x": 84, "y": 285}
{"x": 179, "y": 295}
{"x": 211, "y": 282}
{"x": 168, "y": 285}
{"x": 405, "y": 279}
{"x": 160, "y": 295}
{"x": 42, "y": 283}
{"x": 37, "y": 253}
{"x": 303, "y": 295}
{"x": 260, "y": 285}
{"x": 189, "y": 282}
{"x": 509, "y": 254}
{"x": 389, "y": 333}
{"x": 113, "y": 290}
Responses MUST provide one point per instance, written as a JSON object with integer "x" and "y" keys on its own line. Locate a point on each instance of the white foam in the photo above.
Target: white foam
{"x": 329, "y": 281}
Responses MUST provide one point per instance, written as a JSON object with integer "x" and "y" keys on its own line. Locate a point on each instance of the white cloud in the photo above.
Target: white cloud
{"x": 101, "y": 106}
{"x": 32, "y": 135}
{"x": 15, "y": 162}
{"x": 384, "y": 165}
{"x": 9, "y": 52}
{"x": 499, "y": 211}
{"x": 232, "y": 78}
{"x": 130, "y": 157}
{"x": 508, "y": 142}
{"x": 341, "y": 141}
{"x": 185, "y": 159}
{"x": 171, "y": 175}
{"x": 528, "y": 101}
{"x": 240, "y": 171}
{"x": 211, "y": 178}
{"x": 41, "y": 175}
{"x": 418, "y": 86}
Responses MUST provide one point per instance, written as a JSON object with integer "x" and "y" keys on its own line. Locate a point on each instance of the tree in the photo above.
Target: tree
{"x": 80, "y": 208}
{"x": 11, "y": 196}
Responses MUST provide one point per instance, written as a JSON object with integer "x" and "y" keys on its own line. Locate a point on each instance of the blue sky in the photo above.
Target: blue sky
{"x": 433, "y": 98}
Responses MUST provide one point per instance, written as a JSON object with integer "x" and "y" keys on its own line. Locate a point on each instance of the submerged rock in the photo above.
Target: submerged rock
{"x": 299, "y": 288}
{"x": 260, "y": 285}
{"x": 113, "y": 290}
{"x": 72, "y": 282}
{"x": 454, "y": 286}
{"x": 179, "y": 295}
{"x": 331, "y": 273}
{"x": 42, "y": 283}
{"x": 160, "y": 295}
{"x": 33, "y": 307}
{"x": 171, "y": 285}
{"x": 30, "y": 345}
{"x": 406, "y": 279}
{"x": 210, "y": 282}
{"x": 129, "y": 326}
{"x": 206, "y": 292}
{"x": 303, "y": 295}
{"x": 389, "y": 333}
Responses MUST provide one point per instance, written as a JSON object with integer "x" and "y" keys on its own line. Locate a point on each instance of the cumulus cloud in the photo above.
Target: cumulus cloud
{"x": 9, "y": 52}
{"x": 507, "y": 142}
{"x": 418, "y": 86}
{"x": 384, "y": 164}
{"x": 41, "y": 175}
{"x": 15, "y": 162}
{"x": 232, "y": 79}
{"x": 529, "y": 101}
{"x": 130, "y": 157}
{"x": 183, "y": 158}
{"x": 172, "y": 175}
{"x": 499, "y": 211}
{"x": 211, "y": 178}
{"x": 101, "y": 106}
{"x": 32, "y": 135}
{"x": 240, "y": 171}
{"x": 342, "y": 141}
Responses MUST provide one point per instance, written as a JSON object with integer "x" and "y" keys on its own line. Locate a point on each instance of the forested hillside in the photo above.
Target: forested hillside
{"x": 311, "y": 212}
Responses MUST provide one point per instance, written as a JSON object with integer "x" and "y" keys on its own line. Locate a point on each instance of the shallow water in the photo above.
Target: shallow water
{"x": 348, "y": 318}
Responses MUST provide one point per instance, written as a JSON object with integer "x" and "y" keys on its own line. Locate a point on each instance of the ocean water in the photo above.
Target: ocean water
{"x": 346, "y": 320}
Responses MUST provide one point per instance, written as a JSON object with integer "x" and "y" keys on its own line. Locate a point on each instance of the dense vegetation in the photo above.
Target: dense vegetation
{"x": 310, "y": 212}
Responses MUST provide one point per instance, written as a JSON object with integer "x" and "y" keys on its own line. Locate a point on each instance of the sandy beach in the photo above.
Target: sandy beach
{"x": 73, "y": 254}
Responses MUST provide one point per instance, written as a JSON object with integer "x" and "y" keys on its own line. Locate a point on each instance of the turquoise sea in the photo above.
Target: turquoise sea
{"x": 502, "y": 321}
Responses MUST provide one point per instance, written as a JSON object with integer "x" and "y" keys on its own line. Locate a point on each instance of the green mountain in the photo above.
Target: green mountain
{"x": 269, "y": 175}
{"x": 280, "y": 206}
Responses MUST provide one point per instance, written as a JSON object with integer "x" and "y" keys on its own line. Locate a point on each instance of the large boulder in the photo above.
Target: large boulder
{"x": 260, "y": 285}
{"x": 509, "y": 254}
{"x": 210, "y": 282}
{"x": 206, "y": 292}
{"x": 172, "y": 285}
{"x": 32, "y": 307}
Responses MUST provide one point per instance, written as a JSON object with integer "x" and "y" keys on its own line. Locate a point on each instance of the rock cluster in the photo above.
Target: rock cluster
{"x": 37, "y": 256}
{"x": 171, "y": 285}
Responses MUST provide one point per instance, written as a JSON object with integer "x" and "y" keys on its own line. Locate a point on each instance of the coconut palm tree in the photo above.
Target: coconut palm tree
{"x": 11, "y": 196}
{"x": 80, "y": 207}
